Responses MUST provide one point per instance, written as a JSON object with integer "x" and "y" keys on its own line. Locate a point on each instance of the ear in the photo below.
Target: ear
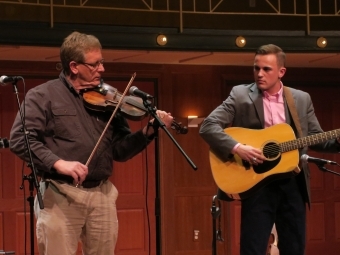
{"x": 73, "y": 67}
{"x": 282, "y": 72}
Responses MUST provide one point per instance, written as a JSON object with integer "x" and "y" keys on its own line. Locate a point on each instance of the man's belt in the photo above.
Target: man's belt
{"x": 87, "y": 184}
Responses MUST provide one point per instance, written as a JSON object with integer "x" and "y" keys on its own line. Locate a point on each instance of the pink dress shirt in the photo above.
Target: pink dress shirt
{"x": 274, "y": 110}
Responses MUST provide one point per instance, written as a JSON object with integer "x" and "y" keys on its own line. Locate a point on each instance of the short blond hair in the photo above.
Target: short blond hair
{"x": 273, "y": 49}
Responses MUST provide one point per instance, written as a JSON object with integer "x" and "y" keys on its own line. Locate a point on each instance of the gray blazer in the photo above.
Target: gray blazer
{"x": 244, "y": 108}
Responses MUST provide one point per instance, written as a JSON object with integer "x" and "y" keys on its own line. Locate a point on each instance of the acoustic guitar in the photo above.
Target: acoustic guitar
{"x": 239, "y": 179}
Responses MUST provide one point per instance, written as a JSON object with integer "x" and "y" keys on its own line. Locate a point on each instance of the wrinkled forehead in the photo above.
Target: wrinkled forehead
{"x": 94, "y": 54}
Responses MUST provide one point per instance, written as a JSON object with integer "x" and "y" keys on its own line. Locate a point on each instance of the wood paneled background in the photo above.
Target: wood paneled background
{"x": 166, "y": 178}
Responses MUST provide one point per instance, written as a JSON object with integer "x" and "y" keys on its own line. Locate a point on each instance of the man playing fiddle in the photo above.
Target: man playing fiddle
{"x": 79, "y": 200}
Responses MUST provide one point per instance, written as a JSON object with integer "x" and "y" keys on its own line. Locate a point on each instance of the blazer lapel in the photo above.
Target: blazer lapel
{"x": 256, "y": 97}
{"x": 287, "y": 112}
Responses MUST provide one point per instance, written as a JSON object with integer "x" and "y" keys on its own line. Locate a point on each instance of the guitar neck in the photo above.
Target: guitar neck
{"x": 309, "y": 140}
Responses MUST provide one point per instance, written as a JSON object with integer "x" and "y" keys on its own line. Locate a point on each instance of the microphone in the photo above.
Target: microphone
{"x": 318, "y": 161}
{"x": 6, "y": 79}
{"x": 138, "y": 93}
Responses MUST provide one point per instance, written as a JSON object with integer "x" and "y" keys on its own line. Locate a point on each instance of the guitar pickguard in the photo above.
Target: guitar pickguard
{"x": 266, "y": 166}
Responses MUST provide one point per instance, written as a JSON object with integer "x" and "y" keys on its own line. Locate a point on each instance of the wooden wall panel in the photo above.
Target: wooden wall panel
{"x": 190, "y": 212}
{"x": 191, "y": 91}
{"x": 235, "y": 249}
{"x": 133, "y": 175}
{"x": 1, "y": 181}
{"x": 317, "y": 180}
{"x": 337, "y": 221}
{"x": 193, "y": 191}
{"x": 195, "y": 148}
{"x": 316, "y": 224}
{"x": 21, "y": 232}
{"x": 1, "y": 232}
{"x": 132, "y": 221}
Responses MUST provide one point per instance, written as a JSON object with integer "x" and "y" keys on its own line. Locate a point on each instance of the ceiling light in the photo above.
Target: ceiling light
{"x": 240, "y": 41}
{"x": 161, "y": 40}
{"x": 321, "y": 42}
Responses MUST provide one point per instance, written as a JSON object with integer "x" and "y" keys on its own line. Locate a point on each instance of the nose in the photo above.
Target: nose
{"x": 101, "y": 68}
{"x": 259, "y": 73}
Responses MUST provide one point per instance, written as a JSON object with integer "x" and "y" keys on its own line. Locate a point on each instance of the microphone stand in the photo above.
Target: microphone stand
{"x": 322, "y": 167}
{"x": 152, "y": 112}
{"x": 32, "y": 178}
{"x": 157, "y": 122}
{"x": 215, "y": 213}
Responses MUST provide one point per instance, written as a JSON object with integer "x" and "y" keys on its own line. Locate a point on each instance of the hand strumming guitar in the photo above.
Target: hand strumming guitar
{"x": 252, "y": 155}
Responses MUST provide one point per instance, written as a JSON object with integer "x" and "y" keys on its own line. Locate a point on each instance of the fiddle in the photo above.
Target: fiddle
{"x": 105, "y": 98}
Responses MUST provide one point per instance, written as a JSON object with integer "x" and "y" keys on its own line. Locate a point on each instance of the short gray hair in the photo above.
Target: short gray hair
{"x": 74, "y": 48}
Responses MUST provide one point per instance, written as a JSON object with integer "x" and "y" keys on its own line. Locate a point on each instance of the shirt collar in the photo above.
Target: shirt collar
{"x": 278, "y": 95}
{"x": 63, "y": 78}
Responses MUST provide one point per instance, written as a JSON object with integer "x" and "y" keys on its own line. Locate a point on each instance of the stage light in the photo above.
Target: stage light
{"x": 240, "y": 41}
{"x": 321, "y": 42}
{"x": 162, "y": 40}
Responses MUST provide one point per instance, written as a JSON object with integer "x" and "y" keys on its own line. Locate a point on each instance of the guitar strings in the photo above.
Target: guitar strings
{"x": 272, "y": 150}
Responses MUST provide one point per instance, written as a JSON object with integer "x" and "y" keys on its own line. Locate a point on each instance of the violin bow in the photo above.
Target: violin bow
{"x": 112, "y": 115}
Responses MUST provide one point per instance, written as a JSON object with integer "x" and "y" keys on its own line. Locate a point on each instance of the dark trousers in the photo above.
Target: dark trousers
{"x": 281, "y": 203}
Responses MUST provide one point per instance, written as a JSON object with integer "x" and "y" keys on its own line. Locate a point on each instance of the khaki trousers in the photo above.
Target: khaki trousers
{"x": 73, "y": 214}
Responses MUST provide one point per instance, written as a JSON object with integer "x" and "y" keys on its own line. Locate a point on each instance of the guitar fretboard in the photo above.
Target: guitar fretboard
{"x": 309, "y": 140}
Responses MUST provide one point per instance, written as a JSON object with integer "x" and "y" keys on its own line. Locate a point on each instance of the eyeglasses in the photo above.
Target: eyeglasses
{"x": 93, "y": 66}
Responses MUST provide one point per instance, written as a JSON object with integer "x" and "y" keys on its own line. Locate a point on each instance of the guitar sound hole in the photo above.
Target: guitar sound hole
{"x": 271, "y": 150}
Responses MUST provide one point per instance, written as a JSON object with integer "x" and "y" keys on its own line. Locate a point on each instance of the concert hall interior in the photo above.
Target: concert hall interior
{"x": 188, "y": 55}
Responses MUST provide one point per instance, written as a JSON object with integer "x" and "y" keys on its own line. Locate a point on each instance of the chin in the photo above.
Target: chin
{"x": 95, "y": 82}
{"x": 261, "y": 86}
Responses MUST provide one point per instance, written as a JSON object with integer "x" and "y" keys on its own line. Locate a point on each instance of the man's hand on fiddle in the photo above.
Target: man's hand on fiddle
{"x": 72, "y": 168}
{"x": 165, "y": 117}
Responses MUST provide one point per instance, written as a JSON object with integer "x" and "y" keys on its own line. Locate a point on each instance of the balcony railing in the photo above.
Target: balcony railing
{"x": 307, "y": 8}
